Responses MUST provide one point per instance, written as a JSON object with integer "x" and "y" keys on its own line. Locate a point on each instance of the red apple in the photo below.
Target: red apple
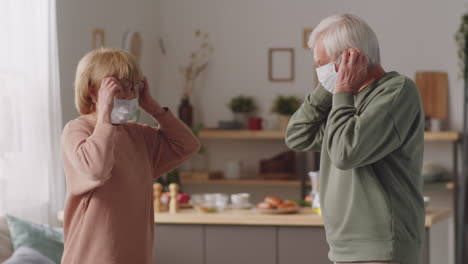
{"x": 183, "y": 198}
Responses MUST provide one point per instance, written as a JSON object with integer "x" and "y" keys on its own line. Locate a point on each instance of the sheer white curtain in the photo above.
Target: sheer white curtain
{"x": 31, "y": 178}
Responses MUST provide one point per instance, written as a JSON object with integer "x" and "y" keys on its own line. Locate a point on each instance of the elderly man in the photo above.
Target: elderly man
{"x": 368, "y": 125}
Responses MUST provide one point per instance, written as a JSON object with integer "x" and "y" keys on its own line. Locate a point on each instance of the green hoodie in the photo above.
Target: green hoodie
{"x": 370, "y": 170}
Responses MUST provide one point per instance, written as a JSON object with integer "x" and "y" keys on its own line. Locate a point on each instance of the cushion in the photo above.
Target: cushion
{"x": 6, "y": 247}
{"x": 44, "y": 239}
{"x": 25, "y": 255}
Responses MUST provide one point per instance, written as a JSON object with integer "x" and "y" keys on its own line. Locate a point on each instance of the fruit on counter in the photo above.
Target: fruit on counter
{"x": 183, "y": 198}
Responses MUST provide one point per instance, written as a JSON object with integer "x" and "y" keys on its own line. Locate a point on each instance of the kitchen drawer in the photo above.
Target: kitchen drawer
{"x": 240, "y": 245}
{"x": 302, "y": 245}
{"x": 181, "y": 244}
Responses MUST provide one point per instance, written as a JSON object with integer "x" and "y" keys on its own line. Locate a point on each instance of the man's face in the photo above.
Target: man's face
{"x": 320, "y": 54}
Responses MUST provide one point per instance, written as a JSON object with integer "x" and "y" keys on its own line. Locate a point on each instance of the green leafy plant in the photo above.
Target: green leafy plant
{"x": 162, "y": 181}
{"x": 242, "y": 104}
{"x": 461, "y": 39}
{"x": 170, "y": 177}
{"x": 286, "y": 105}
{"x": 173, "y": 177}
{"x": 196, "y": 130}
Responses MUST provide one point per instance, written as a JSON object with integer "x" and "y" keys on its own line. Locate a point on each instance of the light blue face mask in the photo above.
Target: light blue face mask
{"x": 124, "y": 110}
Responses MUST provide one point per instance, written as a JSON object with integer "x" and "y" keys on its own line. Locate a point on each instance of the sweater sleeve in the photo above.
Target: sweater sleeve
{"x": 90, "y": 155}
{"x": 357, "y": 140}
{"x": 306, "y": 128}
{"x": 171, "y": 143}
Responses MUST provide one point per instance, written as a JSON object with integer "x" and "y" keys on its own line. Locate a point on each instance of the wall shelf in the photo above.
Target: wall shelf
{"x": 450, "y": 136}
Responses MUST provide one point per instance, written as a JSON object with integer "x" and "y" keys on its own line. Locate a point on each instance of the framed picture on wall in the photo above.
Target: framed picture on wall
{"x": 305, "y": 37}
{"x": 99, "y": 38}
{"x": 281, "y": 64}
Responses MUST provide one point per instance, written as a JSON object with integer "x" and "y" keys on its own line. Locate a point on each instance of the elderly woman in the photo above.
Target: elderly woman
{"x": 368, "y": 125}
{"x": 110, "y": 164}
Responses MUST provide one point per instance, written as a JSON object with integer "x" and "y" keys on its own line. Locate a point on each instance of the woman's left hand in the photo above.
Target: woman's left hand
{"x": 146, "y": 101}
{"x": 144, "y": 98}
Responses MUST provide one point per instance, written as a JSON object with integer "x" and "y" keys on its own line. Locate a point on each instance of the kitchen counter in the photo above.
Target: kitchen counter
{"x": 248, "y": 237}
{"x": 251, "y": 217}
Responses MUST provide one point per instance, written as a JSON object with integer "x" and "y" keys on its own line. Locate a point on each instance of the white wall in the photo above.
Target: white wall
{"x": 76, "y": 21}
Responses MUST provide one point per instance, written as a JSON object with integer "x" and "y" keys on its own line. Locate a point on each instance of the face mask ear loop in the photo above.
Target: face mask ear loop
{"x": 338, "y": 60}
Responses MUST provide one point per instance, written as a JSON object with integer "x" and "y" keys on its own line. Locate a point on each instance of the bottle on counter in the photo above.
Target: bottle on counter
{"x": 315, "y": 194}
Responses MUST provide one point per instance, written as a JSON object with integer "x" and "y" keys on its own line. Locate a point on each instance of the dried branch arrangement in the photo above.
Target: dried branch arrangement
{"x": 197, "y": 64}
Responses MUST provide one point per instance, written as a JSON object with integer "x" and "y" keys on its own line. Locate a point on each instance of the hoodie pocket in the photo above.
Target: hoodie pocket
{"x": 356, "y": 208}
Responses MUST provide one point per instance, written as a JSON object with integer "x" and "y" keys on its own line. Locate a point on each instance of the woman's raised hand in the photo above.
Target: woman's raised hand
{"x": 110, "y": 86}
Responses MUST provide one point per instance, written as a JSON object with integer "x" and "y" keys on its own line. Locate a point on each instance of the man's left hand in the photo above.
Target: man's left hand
{"x": 352, "y": 71}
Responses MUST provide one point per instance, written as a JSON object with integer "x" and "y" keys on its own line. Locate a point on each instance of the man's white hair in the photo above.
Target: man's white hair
{"x": 341, "y": 32}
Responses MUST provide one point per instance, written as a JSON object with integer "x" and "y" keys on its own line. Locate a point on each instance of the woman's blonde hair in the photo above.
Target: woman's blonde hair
{"x": 97, "y": 65}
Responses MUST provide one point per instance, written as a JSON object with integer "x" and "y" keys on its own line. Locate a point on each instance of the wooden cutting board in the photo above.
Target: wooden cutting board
{"x": 433, "y": 87}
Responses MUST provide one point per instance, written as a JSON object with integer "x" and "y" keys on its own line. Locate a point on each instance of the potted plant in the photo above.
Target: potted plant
{"x": 285, "y": 107}
{"x": 242, "y": 106}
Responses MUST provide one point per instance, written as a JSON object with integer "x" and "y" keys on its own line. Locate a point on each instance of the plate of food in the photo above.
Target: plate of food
{"x": 274, "y": 205}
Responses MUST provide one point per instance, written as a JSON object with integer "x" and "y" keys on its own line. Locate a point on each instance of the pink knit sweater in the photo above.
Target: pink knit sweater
{"x": 109, "y": 172}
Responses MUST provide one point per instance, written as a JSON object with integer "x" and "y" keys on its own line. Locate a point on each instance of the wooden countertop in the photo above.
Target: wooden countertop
{"x": 247, "y": 217}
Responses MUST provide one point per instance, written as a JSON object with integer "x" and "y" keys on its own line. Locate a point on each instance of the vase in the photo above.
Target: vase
{"x": 242, "y": 119}
{"x": 186, "y": 112}
{"x": 283, "y": 121}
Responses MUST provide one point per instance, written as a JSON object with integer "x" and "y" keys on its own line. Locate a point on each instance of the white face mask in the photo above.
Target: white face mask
{"x": 327, "y": 76}
{"x": 123, "y": 110}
